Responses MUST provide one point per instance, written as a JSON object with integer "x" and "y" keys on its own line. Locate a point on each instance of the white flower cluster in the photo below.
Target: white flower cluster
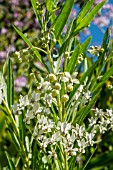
{"x": 50, "y": 131}
{"x": 73, "y": 139}
{"x": 82, "y": 96}
{"x": 102, "y": 120}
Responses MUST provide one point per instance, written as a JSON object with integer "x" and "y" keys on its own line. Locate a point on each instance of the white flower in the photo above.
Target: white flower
{"x": 67, "y": 128}
{"x": 35, "y": 97}
{"x": 64, "y": 127}
{"x": 28, "y": 116}
{"x": 71, "y": 138}
{"x": 109, "y": 112}
{"x": 92, "y": 121}
{"x": 44, "y": 85}
{"x": 16, "y": 108}
{"x": 46, "y": 110}
{"x": 75, "y": 81}
{"x": 52, "y": 154}
{"x": 37, "y": 108}
{"x": 79, "y": 131}
{"x": 80, "y": 88}
{"x": 89, "y": 137}
{"x": 48, "y": 98}
{"x": 87, "y": 95}
{"x": 77, "y": 95}
{"x": 82, "y": 145}
{"x": 74, "y": 151}
{"x": 98, "y": 112}
{"x": 66, "y": 77}
{"x": 56, "y": 137}
{"x": 23, "y": 101}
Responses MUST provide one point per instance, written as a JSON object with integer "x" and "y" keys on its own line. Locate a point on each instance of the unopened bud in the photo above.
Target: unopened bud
{"x": 55, "y": 93}
{"x": 52, "y": 77}
{"x": 65, "y": 98}
{"x": 57, "y": 86}
{"x": 102, "y": 50}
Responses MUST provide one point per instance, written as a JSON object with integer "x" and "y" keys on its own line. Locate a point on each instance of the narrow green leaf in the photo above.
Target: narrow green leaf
{"x": 85, "y": 9}
{"x": 69, "y": 30}
{"x": 72, "y": 62}
{"x": 84, "y": 168}
{"x": 28, "y": 43}
{"x": 22, "y": 128}
{"x": 10, "y": 162}
{"x": 85, "y": 44}
{"x": 105, "y": 41}
{"x": 62, "y": 18}
{"x": 89, "y": 17}
{"x": 49, "y": 5}
{"x": 34, "y": 155}
{"x": 10, "y": 84}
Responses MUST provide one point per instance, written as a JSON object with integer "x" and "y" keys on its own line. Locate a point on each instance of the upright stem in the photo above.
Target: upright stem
{"x": 66, "y": 161}
{"x": 59, "y": 107}
{"x": 24, "y": 155}
{"x": 50, "y": 59}
{"x": 65, "y": 62}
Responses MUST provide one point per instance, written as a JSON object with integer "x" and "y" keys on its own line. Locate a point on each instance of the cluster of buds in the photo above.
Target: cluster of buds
{"x": 23, "y": 55}
{"x": 94, "y": 50}
{"x": 80, "y": 58}
{"x": 47, "y": 37}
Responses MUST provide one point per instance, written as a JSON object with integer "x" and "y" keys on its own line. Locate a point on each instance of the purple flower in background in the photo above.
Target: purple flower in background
{"x": 19, "y": 83}
{"x": 16, "y": 14}
{"x": 18, "y": 23}
{"x": 86, "y": 32}
{"x": 3, "y": 30}
{"x": 101, "y": 21}
{"x": 3, "y": 54}
{"x": 73, "y": 13}
{"x": 14, "y": 2}
{"x": 98, "y": 1}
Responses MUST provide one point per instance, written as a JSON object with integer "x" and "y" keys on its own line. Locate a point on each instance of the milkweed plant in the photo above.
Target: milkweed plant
{"x": 57, "y": 118}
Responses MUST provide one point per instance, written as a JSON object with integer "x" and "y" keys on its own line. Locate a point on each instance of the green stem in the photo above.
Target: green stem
{"x": 65, "y": 62}
{"x": 50, "y": 59}
{"x": 59, "y": 107}
{"x": 66, "y": 162}
{"x": 24, "y": 155}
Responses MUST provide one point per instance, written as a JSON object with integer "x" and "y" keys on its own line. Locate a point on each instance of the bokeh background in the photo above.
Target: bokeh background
{"x": 20, "y": 13}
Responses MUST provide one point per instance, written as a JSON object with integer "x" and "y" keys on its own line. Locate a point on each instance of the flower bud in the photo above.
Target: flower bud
{"x": 69, "y": 87}
{"x": 57, "y": 86}
{"x": 102, "y": 50}
{"x": 65, "y": 98}
{"x": 55, "y": 93}
{"x": 52, "y": 77}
